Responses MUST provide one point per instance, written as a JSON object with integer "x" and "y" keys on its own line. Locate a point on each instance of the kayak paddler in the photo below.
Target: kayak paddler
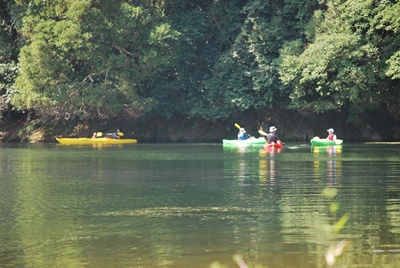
{"x": 272, "y": 137}
{"x": 331, "y": 135}
{"x": 242, "y": 135}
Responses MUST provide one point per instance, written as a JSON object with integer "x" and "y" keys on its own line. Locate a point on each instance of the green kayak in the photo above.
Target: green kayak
{"x": 251, "y": 141}
{"x": 316, "y": 141}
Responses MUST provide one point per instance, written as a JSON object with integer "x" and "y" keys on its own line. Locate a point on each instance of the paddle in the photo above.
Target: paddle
{"x": 262, "y": 132}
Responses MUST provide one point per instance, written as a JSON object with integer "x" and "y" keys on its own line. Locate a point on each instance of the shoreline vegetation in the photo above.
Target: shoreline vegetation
{"x": 292, "y": 126}
{"x": 70, "y": 68}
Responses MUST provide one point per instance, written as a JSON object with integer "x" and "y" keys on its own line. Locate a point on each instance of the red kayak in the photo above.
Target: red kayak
{"x": 273, "y": 145}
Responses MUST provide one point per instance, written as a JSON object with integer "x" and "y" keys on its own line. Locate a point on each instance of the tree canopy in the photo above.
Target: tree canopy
{"x": 206, "y": 58}
{"x": 89, "y": 58}
{"x": 346, "y": 63}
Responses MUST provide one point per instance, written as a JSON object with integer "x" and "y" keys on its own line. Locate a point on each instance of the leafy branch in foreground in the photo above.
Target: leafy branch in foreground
{"x": 335, "y": 249}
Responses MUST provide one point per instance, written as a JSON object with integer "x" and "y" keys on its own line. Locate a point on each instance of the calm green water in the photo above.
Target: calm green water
{"x": 189, "y": 205}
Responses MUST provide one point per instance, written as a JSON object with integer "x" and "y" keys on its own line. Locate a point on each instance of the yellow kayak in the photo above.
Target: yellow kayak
{"x": 78, "y": 141}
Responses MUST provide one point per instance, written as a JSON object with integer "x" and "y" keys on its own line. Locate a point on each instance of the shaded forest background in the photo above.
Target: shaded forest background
{"x": 175, "y": 70}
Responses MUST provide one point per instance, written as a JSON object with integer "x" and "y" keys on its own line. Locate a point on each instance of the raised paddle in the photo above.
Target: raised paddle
{"x": 262, "y": 132}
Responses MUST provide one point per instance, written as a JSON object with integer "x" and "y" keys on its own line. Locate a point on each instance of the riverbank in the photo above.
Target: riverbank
{"x": 292, "y": 126}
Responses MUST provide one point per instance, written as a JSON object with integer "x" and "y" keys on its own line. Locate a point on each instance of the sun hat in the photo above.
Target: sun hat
{"x": 330, "y": 130}
{"x": 272, "y": 129}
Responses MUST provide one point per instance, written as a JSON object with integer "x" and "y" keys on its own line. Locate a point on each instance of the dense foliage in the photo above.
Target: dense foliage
{"x": 206, "y": 58}
{"x": 350, "y": 60}
{"x": 10, "y": 43}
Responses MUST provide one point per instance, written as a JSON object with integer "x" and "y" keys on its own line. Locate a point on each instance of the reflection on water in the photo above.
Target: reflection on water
{"x": 332, "y": 163}
{"x": 188, "y": 205}
{"x": 268, "y": 167}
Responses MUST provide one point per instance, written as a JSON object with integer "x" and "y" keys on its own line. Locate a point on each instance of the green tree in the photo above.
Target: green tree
{"x": 388, "y": 23}
{"x": 88, "y": 59}
{"x": 10, "y": 43}
{"x": 246, "y": 75}
{"x": 344, "y": 63}
{"x": 206, "y": 30}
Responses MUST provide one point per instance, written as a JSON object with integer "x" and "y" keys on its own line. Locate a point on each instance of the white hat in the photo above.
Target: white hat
{"x": 330, "y": 130}
{"x": 272, "y": 129}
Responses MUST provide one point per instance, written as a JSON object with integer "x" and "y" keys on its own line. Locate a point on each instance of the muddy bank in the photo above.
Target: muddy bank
{"x": 291, "y": 125}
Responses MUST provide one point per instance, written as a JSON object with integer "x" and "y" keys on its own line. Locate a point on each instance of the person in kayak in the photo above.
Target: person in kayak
{"x": 115, "y": 135}
{"x": 242, "y": 135}
{"x": 331, "y": 135}
{"x": 272, "y": 137}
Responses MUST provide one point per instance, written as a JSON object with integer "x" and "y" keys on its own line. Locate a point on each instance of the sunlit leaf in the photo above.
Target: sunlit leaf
{"x": 329, "y": 192}
{"x": 340, "y": 223}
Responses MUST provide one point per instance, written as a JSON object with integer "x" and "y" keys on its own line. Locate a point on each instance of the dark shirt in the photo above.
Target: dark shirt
{"x": 271, "y": 137}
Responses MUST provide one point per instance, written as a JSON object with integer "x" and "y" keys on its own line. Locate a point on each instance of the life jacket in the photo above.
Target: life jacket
{"x": 243, "y": 136}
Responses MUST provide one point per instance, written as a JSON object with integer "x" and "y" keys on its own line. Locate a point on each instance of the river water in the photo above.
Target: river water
{"x": 199, "y": 205}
